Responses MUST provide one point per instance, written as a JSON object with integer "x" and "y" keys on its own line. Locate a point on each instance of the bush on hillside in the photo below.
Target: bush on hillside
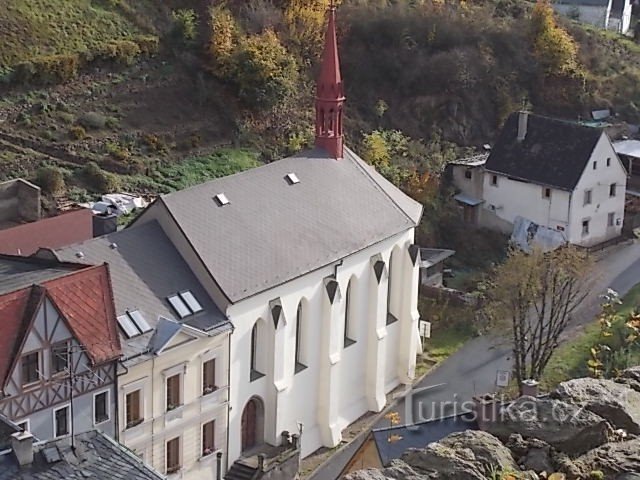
{"x": 185, "y": 24}
{"x": 223, "y": 39}
{"x": 148, "y": 44}
{"x": 48, "y": 69}
{"x": 50, "y": 179}
{"x": 98, "y": 180}
{"x": 124, "y": 52}
{"x": 92, "y": 120}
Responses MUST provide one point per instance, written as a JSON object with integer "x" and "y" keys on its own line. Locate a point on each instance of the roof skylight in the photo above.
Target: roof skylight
{"x": 292, "y": 178}
{"x": 133, "y": 324}
{"x": 185, "y": 304}
{"x": 191, "y": 301}
{"x": 179, "y": 306}
{"x": 221, "y": 199}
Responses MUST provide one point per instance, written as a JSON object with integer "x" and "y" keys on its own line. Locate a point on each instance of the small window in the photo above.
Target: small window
{"x": 208, "y": 438}
{"x": 101, "y": 407}
{"x": 61, "y": 422}
{"x": 173, "y": 392}
{"x": 173, "y": 455}
{"x": 221, "y": 199}
{"x": 179, "y": 306}
{"x": 585, "y": 227}
{"x": 348, "y": 314}
{"x": 494, "y": 180}
{"x": 133, "y": 407}
{"x": 546, "y": 192}
{"x": 209, "y": 376}
{"x": 612, "y": 190}
{"x": 595, "y": 165}
{"x": 611, "y": 219}
{"x": 609, "y": 162}
{"x": 255, "y": 373}
{"x": 587, "y": 197}
{"x": 30, "y": 368}
{"x": 468, "y": 174}
{"x": 193, "y": 304}
{"x": 59, "y": 357}
{"x": 299, "y": 366}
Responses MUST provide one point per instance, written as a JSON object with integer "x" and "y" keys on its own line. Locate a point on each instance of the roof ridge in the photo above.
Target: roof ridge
{"x": 376, "y": 184}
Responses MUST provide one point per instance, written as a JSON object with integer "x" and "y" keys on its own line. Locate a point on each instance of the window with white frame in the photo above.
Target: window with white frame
{"x": 61, "y": 421}
{"x": 133, "y": 408}
{"x": 173, "y": 391}
{"x": 173, "y": 461}
{"x": 59, "y": 357}
{"x": 209, "y": 376}
{"x": 101, "y": 407}
{"x": 208, "y": 438}
{"x": 30, "y": 368}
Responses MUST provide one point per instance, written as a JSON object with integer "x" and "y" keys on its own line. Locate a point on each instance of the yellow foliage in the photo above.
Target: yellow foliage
{"x": 305, "y": 21}
{"x": 224, "y": 36}
{"x": 375, "y": 150}
{"x": 554, "y": 47}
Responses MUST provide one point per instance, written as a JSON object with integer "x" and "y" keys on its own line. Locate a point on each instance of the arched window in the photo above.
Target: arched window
{"x": 348, "y": 327}
{"x": 300, "y": 364}
{"x": 255, "y": 353}
{"x": 331, "y": 120}
{"x": 391, "y": 318}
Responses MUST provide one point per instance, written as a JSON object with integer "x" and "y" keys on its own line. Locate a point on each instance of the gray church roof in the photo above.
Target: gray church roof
{"x": 273, "y": 230}
{"x": 145, "y": 270}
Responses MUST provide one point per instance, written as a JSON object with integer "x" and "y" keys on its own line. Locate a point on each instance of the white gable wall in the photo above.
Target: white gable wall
{"x": 598, "y": 181}
{"x": 597, "y": 15}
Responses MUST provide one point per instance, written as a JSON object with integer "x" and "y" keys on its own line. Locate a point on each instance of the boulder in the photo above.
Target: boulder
{"x": 631, "y": 378}
{"x": 613, "y": 459}
{"x": 538, "y": 460}
{"x": 397, "y": 470}
{"x": 487, "y": 450}
{"x": 616, "y": 403}
{"x": 564, "y": 426}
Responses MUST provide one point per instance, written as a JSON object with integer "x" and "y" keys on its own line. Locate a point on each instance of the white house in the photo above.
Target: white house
{"x": 612, "y": 15}
{"x": 173, "y": 380}
{"x": 556, "y": 174}
{"x": 312, "y": 258}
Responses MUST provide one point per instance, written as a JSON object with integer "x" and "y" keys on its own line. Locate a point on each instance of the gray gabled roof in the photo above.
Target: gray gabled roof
{"x": 96, "y": 457}
{"x": 145, "y": 269}
{"x": 19, "y": 272}
{"x": 272, "y": 231}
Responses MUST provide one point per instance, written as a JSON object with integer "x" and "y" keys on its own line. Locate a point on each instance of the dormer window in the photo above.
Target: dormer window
{"x": 292, "y": 178}
{"x": 185, "y": 304}
{"x": 221, "y": 199}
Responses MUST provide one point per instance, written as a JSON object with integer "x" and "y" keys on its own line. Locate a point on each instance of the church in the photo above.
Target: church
{"x": 312, "y": 259}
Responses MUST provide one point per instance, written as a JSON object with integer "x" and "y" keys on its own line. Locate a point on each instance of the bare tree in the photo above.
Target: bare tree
{"x": 532, "y": 298}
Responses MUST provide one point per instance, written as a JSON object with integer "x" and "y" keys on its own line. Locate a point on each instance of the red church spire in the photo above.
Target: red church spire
{"x": 330, "y": 94}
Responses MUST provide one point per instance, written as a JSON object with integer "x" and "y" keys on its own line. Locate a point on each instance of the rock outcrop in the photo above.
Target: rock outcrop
{"x": 566, "y": 427}
{"x": 612, "y": 459}
{"x": 631, "y": 378}
{"x": 616, "y": 403}
{"x": 487, "y": 450}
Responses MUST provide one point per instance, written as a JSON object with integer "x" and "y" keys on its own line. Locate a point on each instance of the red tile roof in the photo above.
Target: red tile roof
{"x": 85, "y": 300}
{"x": 54, "y": 232}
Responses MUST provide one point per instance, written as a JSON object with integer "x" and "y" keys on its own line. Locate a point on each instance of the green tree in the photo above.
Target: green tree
{"x": 554, "y": 47}
{"x": 50, "y": 179}
{"x": 264, "y": 72}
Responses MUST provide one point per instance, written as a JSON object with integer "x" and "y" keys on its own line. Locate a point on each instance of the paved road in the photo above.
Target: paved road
{"x": 473, "y": 369}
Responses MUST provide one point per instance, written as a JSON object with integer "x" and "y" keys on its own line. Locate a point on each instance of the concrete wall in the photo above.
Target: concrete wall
{"x": 594, "y": 15}
{"x": 19, "y": 201}
{"x": 185, "y": 355}
{"x": 473, "y": 186}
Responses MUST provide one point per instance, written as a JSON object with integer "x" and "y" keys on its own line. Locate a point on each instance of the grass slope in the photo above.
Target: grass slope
{"x": 30, "y": 28}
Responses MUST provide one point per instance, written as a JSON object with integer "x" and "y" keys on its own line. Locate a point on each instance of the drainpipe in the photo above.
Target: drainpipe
{"x": 115, "y": 397}
{"x": 226, "y": 452}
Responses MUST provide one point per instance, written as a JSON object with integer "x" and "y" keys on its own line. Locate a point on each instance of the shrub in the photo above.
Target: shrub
{"x": 47, "y": 69}
{"x": 118, "y": 151}
{"x": 65, "y": 117}
{"x": 185, "y": 22}
{"x": 264, "y": 72}
{"x": 50, "y": 179}
{"x": 223, "y": 38}
{"x": 148, "y": 44}
{"x": 92, "y": 121}
{"x": 77, "y": 132}
{"x": 121, "y": 51}
{"x": 98, "y": 180}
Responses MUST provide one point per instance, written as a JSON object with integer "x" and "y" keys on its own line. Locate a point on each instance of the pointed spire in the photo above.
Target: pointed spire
{"x": 330, "y": 93}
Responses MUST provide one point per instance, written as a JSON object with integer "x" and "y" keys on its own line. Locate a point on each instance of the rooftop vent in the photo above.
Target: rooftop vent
{"x": 113, "y": 246}
{"x": 292, "y": 178}
{"x": 79, "y": 255}
{"x": 221, "y": 199}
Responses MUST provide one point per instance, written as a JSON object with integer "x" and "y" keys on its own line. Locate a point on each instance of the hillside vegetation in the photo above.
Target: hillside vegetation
{"x": 138, "y": 86}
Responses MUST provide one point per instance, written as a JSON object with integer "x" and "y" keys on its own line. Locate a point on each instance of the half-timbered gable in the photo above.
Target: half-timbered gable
{"x": 58, "y": 374}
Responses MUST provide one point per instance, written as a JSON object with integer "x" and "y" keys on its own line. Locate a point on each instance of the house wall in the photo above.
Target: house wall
{"x": 340, "y": 383}
{"x": 597, "y": 15}
{"x": 598, "y": 181}
{"x": 511, "y": 198}
{"x": 36, "y": 403}
{"x": 185, "y": 354}
{"x": 473, "y": 186}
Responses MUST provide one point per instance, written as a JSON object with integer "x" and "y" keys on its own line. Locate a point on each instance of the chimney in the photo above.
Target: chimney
{"x": 104, "y": 223}
{"x": 486, "y": 409}
{"x": 22, "y": 446}
{"x": 523, "y": 120}
{"x": 530, "y": 388}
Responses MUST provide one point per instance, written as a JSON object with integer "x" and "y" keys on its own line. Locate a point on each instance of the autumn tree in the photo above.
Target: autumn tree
{"x": 223, "y": 38}
{"x": 533, "y": 297}
{"x": 554, "y": 47}
{"x": 305, "y": 23}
